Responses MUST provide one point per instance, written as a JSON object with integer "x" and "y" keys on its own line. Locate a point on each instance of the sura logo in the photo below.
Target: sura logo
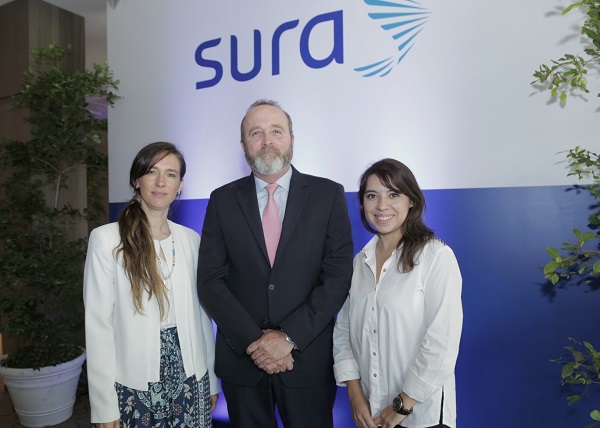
{"x": 404, "y": 19}
{"x": 335, "y": 19}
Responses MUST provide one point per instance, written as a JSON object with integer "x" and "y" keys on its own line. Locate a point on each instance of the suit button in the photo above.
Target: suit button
{"x": 265, "y": 322}
{"x": 271, "y": 287}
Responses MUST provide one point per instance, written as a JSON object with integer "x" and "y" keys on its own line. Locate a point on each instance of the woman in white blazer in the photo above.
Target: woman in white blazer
{"x": 150, "y": 346}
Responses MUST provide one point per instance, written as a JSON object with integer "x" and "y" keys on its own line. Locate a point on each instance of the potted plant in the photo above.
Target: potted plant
{"x": 581, "y": 257}
{"x": 43, "y": 236}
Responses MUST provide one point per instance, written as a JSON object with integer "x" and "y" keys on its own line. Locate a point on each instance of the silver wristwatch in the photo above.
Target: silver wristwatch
{"x": 289, "y": 339}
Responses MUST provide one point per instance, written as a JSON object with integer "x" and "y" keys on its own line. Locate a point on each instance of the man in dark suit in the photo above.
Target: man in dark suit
{"x": 275, "y": 303}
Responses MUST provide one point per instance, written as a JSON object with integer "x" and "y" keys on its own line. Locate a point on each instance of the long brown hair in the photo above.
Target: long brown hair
{"x": 415, "y": 234}
{"x": 137, "y": 246}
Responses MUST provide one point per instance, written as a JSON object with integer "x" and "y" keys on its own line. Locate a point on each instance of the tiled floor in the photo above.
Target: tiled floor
{"x": 9, "y": 419}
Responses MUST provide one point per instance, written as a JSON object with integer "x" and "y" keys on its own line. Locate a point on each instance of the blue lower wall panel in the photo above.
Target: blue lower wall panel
{"x": 514, "y": 321}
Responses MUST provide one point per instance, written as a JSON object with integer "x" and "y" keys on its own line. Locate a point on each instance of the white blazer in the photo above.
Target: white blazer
{"x": 123, "y": 346}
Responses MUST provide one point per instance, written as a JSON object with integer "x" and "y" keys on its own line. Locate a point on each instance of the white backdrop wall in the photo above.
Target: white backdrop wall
{"x": 458, "y": 109}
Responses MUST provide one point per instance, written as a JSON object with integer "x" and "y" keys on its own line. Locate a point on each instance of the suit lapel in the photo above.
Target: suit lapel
{"x": 297, "y": 197}
{"x": 246, "y": 197}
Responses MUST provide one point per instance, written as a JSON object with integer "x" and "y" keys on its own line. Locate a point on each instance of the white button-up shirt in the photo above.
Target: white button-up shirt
{"x": 403, "y": 333}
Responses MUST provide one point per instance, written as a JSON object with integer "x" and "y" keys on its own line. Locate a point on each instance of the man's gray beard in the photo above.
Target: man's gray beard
{"x": 271, "y": 164}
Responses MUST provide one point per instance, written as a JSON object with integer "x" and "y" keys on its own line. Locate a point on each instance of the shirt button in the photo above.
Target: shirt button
{"x": 374, "y": 354}
{"x": 385, "y": 270}
{"x": 375, "y": 375}
{"x": 271, "y": 287}
{"x": 265, "y": 322}
{"x": 374, "y": 331}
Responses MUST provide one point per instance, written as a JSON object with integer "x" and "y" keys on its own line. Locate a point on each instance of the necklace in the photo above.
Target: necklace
{"x": 158, "y": 259}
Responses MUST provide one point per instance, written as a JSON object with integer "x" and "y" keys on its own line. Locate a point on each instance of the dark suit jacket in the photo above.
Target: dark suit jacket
{"x": 301, "y": 294}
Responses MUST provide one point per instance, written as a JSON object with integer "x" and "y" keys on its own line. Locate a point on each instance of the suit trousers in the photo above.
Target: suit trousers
{"x": 254, "y": 406}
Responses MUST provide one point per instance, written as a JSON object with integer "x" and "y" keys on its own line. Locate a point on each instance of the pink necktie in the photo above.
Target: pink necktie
{"x": 271, "y": 223}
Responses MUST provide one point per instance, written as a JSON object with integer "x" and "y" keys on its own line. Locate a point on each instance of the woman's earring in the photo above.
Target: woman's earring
{"x": 179, "y": 193}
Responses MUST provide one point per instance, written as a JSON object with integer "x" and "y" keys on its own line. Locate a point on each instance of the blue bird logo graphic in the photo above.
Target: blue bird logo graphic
{"x": 405, "y": 20}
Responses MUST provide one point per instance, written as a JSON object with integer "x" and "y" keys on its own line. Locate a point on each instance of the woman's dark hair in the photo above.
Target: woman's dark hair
{"x": 149, "y": 156}
{"x": 137, "y": 246}
{"x": 415, "y": 234}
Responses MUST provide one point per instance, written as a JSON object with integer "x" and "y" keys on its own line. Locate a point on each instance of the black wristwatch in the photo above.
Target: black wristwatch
{"x": 398, "y": 406}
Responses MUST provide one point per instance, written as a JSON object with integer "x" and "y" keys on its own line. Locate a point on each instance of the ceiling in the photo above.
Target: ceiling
{"x": 94, "y": 13}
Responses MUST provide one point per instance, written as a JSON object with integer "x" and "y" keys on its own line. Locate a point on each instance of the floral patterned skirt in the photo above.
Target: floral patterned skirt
{"x": 174, "y": 401}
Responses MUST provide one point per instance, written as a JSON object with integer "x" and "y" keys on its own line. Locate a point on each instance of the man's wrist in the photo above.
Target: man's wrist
{"x": 289, "y": 339}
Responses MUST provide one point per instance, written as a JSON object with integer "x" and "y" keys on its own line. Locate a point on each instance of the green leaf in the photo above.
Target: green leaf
{"x": 589, "y": 347}
{"x": 553, "y": 252}
{"x": 550, "y": 267}
{"x": 568, "y": 370}
{"x": 595, "y": 415}
{"x": 587, "y": 236}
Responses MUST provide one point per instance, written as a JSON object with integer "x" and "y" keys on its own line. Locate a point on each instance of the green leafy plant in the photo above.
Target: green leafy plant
{"x": 581, "y": 368}
{"x": 42, "y": 255}
{"x": 581, "y": 257}
{"x": 569, "y": 73}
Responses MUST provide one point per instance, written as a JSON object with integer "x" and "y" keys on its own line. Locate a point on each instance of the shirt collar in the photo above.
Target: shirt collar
{"x": 368, "y": 250}
{"x": 284, "y": 181}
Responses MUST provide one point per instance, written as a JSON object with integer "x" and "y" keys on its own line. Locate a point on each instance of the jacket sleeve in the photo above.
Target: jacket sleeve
{"x": 204, "y": 327}
{"x": 235, "y": 323}
{"x": 209, "y": 341}
{"x": 308, "y": 321}
{"x": 99, "y": 297}
{"x": 345, "y": 366}
{"x": 439, "y": 348}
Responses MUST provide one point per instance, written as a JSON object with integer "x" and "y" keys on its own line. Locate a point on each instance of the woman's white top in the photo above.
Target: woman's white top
{"x": 165, "y": 265}
{"x": 403, "y": 333}
{"x": 122, "y": 345}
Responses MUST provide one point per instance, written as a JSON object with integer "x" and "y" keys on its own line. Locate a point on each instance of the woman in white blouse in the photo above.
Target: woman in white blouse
{"x": 396, "y": 338}
{"x": 150, "y": 346}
